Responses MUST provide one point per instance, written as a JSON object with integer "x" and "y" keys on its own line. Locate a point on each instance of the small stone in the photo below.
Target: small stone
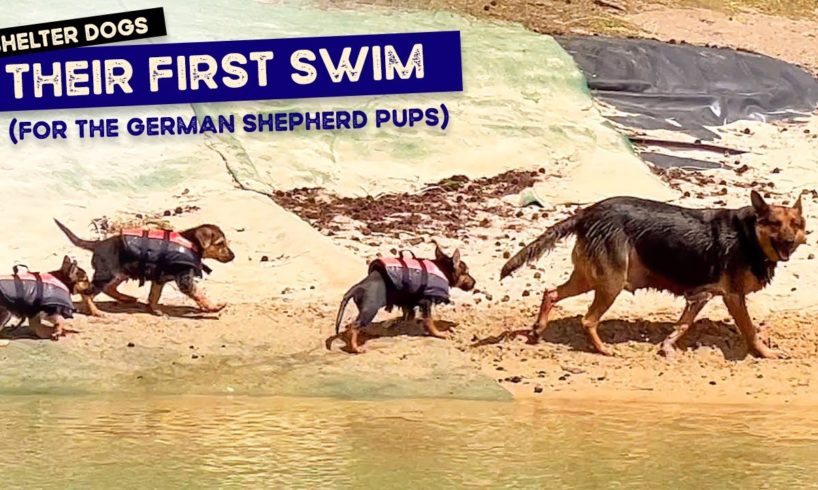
{"x": 537, "y": 275}
{"x": 264, "y": 258}
{"x": 167, "y": 212}
{"x": 130, "y": 344}
{"x": 505, "y": 299}
{"x": 526, "y": 293}
{"x": 506, "y": 254}
{"x": 194, "y": 356}
{"x": 810, "y": 256}
{"x": 713, "y": 383}
{"x": 537, "y": 389}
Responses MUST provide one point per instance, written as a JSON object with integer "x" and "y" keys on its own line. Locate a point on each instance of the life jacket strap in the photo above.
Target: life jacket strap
{"x": 424, "y": 277}
{"x": 404, "y": 271}
{"x": 38, "y": 290}
{"x": 143, "y": 257}
{"x": 163, "y": 249}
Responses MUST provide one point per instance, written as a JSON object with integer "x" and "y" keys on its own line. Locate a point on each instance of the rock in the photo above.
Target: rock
{"x": 130, "y": 344}
{"x": 526, "y": 293}
{"x": 506, "y": 254}
{"x": 537, "y": 389}
{"x": 264, "y": 258}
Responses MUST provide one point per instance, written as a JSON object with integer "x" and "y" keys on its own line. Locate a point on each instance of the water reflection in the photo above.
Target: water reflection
{"x": 183, "y": 442}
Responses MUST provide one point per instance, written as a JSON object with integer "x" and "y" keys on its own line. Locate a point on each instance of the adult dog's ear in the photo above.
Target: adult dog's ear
{"x": 797, "y": 206}
{"x": 66, "y": 264}
{"x": 204, "y": 235}
{"x": 456, "y": 257}
{"x": 761, "y": 207}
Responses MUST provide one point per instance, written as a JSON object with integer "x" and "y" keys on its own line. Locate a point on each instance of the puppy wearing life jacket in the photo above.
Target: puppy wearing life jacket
{"x": 155, "y": 256}
{"x": 42, "y": 297}
{"x": 407, "y": 283}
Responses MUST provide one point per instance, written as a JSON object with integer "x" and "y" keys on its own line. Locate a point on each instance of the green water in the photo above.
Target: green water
{"x": 222, "y": 442}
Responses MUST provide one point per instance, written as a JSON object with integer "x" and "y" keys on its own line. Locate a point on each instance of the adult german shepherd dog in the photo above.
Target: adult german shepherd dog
{"x": 631, "y": 243}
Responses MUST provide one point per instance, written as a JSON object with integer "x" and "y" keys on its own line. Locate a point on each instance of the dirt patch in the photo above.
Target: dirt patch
{"x": 448, "y": 208}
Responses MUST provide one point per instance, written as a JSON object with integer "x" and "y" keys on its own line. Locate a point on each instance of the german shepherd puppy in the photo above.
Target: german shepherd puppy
{"x": 378, "y": 291}
{"x": 631, "y": 243}
{"x": 76, "y": 281}
{"x": 112, "y": 267}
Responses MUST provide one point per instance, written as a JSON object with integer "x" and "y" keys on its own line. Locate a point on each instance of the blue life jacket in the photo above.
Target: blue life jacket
{"x": 419, "y": 277}
{"x": 32, "y": 293}
{"x": 160, "y": 252}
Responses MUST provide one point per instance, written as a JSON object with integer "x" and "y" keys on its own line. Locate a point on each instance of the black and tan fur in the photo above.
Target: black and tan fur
{"x": 376, "y": 291}
{"x": 111, "y": 270}
{"x": 75, "y": 279}
{"x": 630, "y": 243}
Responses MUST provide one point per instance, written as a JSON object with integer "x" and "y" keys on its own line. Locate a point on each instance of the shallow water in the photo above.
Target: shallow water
{"x": 219, "y": 442}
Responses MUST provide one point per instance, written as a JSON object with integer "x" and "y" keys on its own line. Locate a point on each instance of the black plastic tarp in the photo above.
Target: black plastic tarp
{"x": 685, "y": 88}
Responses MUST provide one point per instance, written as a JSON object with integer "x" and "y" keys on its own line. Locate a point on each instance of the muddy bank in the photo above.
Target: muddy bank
{"x": 250, "y": 349}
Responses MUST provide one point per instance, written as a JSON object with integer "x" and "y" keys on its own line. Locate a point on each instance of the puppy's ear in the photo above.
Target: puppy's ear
{"x": 66, "y": 264}
{"x": 439, "y": 254}
{"x": 456, "y": 257}
{"x": 759, "y": 205}
{"x": 797, "y": 205}
{"x": 204, "y": 236}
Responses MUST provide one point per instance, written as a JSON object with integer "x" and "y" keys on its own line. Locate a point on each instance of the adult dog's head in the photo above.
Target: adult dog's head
{"x": 780, "y": 229}
{"x": 455, "y": 268}
{"x": 212, "y": 242}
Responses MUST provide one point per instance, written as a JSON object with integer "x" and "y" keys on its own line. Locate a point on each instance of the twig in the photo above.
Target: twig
{"x": 685, "y": 144}
{"x": 610, "y": 5}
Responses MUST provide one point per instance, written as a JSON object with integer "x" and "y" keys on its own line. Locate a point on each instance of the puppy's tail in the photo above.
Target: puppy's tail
{"x": 541, "y": 245}
{"x": 348, "y": 296}
{"x": 77, "y": 241}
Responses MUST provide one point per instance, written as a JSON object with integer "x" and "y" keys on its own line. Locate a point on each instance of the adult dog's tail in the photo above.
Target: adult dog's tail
{"x": 77, "y": 241}
{"x": 541, "y": 245}
{"x": 348, "y": 296}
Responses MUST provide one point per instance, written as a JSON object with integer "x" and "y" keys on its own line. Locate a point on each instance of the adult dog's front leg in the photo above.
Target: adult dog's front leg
{"x": 429, "y": 322}
{"x": 187, "y": 285}
{"x": 737, "y": 306}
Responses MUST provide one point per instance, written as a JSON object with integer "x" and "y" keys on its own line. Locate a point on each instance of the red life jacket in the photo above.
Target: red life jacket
{"x": 32, "y": 293}
{"x": 160, "y": 252}
{"x": 414, "y": 277}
